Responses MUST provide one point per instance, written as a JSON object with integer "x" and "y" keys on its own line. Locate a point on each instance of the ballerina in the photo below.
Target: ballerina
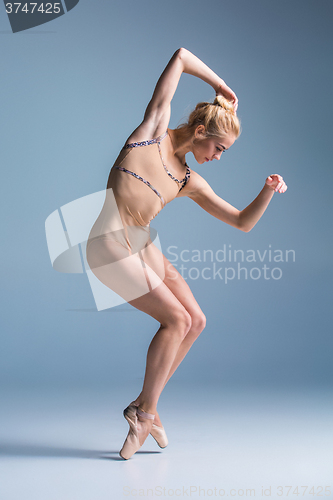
{"x": 151, "y": 171}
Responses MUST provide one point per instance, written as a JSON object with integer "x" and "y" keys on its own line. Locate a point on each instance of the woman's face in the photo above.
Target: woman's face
{"x": 210, "y": 148}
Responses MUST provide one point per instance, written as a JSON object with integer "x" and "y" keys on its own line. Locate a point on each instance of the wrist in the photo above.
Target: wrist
{"x": 220, "y": 86}
{"x": 268, "y": 187}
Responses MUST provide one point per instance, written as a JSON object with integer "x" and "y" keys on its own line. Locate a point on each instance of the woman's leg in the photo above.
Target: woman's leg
{"x": 133, "y": 275}
{"x": 178, "y": 286}
{"x": 175, "y": 322}
{"x": 180, "y": 289}
{"x": 160, "y": 303}
{"x": 127, "y": 276}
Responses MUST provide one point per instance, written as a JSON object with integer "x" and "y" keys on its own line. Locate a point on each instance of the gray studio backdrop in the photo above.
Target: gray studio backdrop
{"x": 73, "y": 90}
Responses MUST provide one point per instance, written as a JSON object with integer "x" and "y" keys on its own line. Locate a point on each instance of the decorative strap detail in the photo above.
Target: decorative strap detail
{"x": 179, "y": 181}
{"x": 143, "y": 414}
{"x": 186, "y": 178}
{"x": 142, "y": 180}
{"x": 146, "y": 143}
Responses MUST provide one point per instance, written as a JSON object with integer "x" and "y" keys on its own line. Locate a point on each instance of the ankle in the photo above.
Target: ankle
{"x": 147, "y": 408}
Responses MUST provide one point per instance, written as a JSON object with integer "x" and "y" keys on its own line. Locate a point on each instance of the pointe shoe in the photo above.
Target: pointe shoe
{"x": 132, "y": 442}
{"x": 158, "y": 433}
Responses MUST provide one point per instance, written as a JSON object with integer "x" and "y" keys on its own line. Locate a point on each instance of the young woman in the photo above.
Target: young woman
{"x": 149, "y": 172}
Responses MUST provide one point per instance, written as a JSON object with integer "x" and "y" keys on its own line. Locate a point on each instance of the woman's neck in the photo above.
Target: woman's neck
{"x": 181, "y": 142}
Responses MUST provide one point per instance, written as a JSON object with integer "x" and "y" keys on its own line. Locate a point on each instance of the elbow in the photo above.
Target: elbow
{"x": 242, "y": 225}
{"x": 180, "y": 56}
{"x": 180, "y": 52}
{"x": 245, "y": 229}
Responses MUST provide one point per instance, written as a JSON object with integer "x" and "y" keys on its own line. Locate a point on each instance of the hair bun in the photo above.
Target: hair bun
{"x": 217, "y": 117}
{"x": 224, "y": 103}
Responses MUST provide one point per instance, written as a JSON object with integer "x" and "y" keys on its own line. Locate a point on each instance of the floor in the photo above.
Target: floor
{"x": 63, "y": 444}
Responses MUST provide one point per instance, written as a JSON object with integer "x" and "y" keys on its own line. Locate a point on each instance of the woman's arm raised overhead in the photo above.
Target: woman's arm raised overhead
{"x": 157, "y": 115}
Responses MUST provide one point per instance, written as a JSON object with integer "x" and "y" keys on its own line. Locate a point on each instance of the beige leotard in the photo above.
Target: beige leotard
{"x": 120, "y": 249}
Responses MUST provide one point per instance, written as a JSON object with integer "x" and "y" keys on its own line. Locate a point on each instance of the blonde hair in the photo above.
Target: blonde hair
{"x": 218, "y": 118}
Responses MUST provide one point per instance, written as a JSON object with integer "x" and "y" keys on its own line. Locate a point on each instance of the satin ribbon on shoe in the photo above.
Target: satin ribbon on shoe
{"x": 158, "y": 433}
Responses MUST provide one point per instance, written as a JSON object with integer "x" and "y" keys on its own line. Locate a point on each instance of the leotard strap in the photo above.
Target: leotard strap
{"x": 186, "y": 178}
{"x": 142, "y": 180}
{"x": 157, "y": 140}
{"x": 182, "y": 182}
{"x": 146, "y": 143}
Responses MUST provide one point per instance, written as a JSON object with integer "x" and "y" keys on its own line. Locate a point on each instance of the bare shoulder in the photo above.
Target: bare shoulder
{"x": 194, "y": 186}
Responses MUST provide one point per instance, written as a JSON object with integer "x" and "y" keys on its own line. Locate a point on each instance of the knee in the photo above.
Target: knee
{"x": 198, "y": 323}
{"x": 181, "y": 322}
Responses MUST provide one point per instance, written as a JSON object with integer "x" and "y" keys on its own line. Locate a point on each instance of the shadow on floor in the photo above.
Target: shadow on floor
{"x": 31, "y": 450}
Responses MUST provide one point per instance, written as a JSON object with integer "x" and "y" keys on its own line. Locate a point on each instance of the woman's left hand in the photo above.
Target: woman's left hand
{"x": 276, "y": 182}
